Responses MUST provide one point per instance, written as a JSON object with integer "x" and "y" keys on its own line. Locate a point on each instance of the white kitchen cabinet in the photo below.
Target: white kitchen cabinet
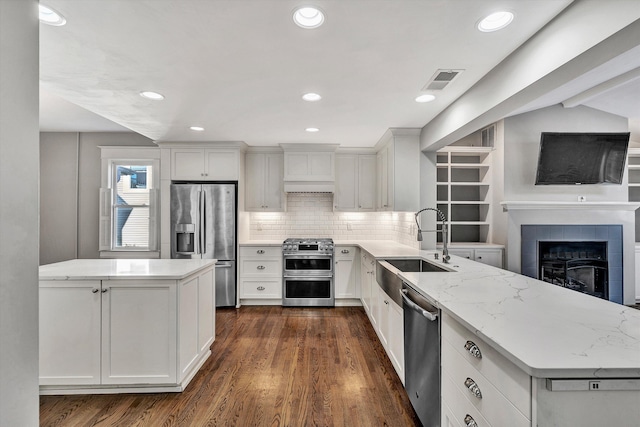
{"x": 264, "y": 185}
{"x": 260, "y": 273}
{"x": 391, "y": 330}
{"x": 398, "y": 171}
{"x": 205, "y": 164}
{"x": 355, "y": 182}
{"x": 139, "y": 330}
{"x": 70, "y": 324}
{"x": 489, "y": 256}
{"x": 137, "y": 335}
{"x": 346, "y": 272}
{"x": 367, "y": 270}
{"x": 309, "y": 166}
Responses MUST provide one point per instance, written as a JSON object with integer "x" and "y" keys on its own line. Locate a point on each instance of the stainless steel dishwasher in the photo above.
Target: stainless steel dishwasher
{"x": 422, "y": 355}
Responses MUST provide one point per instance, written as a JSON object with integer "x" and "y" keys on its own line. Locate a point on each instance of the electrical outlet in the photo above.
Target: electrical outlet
{"x": 349, "y": 226}
{"x": 259, "y": 226}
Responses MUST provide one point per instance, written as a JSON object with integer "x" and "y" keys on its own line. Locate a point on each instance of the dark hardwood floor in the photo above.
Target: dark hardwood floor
{"x": 271, "y": 366}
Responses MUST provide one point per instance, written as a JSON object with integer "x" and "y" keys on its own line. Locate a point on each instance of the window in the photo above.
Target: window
{"x": 129, "y": 205}
{"x": 131, "y": 200}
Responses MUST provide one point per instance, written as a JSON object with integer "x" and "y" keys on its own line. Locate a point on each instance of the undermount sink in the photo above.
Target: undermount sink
{"x": 387, "y": 273}
{"x": 414, "y": 265}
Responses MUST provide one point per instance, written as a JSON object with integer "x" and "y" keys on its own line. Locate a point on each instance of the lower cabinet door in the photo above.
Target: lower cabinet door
{"x": 396, "y": 338}
{"x": 139, "y": 332}
{"x": 69, "y": 332}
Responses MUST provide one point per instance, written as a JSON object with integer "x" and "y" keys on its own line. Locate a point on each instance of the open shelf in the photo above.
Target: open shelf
{"x": 463, "y": 192}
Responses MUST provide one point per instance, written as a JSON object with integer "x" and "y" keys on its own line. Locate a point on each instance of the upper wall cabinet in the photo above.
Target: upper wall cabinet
{"x": 398, "y": 171}
{"x": 263, "y": 182}
{"x": 204, "y": 164}
{"x": 355, "y": 182}
{"x": 309, "y": 166}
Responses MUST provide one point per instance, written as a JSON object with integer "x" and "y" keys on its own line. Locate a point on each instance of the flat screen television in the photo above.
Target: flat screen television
{"x": 581, "y": 158}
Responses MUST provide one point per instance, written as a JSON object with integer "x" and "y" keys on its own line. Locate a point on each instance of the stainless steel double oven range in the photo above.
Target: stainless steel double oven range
{"x": 308, "y": 273}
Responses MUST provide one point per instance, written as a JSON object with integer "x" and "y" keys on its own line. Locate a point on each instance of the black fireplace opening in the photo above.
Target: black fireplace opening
{"x": 581, "y": 266}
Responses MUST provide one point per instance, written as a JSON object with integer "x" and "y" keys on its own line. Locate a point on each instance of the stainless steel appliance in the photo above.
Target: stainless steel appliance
{"x": 308, "y": 273}
{"x": 422, "y": 355}
{"x": 203, "y": 225}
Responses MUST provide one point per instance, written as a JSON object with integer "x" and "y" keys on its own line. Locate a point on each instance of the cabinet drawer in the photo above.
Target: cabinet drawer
{"x": 261, "y": 251}
{"x": 502, "y": 373}
{"x": 456, "y": 407}
{"x": 260, "y": 268}
{"x": 348, "y": 252}
{"x": 493, "y": 405}
{"x": 261, "y": 288}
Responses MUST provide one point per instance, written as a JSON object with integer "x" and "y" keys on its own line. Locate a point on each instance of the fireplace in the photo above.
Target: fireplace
{"x": 581, "y": 266}
{"x": 584, "y": 258}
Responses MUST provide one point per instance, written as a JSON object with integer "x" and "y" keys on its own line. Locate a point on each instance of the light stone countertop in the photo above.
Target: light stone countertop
{"x": 117, "y": 269}
{"x": 546, "y": 330}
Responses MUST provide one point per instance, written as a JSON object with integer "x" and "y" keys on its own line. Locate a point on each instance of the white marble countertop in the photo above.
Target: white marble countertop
{"x": 114, "y": 269}
{"x": 548, "y": 331}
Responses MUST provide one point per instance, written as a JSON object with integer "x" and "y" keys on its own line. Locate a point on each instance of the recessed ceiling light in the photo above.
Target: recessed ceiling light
{"x": 197, "y": 128}
{"x": 308, "y": 17}
{"x": 496, "y": 21}
{"x": 311, "y": 97}
{"x": 152, "y": 95}
{"x": 50, "y": 16}
{"x": 312, "y": 129}
{"x": 425, "y": 98}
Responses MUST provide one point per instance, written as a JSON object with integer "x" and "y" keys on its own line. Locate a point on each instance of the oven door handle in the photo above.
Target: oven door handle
{"x": 307, "y": 277}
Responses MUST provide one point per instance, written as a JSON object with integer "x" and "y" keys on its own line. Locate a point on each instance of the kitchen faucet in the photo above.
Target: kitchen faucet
{"x": 443, "y": 218}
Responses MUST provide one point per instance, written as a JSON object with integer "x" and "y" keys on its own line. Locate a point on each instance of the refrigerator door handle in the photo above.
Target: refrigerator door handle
{"x": 199, "y": 221}
{"x": 223, "y": 265}
{"x": 203, "y": 225}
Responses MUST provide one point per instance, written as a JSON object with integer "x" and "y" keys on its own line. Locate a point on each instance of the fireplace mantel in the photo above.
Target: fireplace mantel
{"x": 591, "y": 206}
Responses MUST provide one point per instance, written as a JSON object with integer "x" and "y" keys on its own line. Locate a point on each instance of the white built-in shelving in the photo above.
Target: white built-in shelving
{"x": 463, "y": 192}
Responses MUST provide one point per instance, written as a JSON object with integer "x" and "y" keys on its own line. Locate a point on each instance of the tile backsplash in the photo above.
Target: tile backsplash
{"x": 312, "y": 215}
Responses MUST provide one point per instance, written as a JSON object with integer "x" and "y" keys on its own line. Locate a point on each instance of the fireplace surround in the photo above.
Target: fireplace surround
{"x": 585, "y": 258}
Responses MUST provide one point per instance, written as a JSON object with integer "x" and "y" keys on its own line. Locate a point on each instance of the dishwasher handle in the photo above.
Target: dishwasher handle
{"x": 416, "y": 307}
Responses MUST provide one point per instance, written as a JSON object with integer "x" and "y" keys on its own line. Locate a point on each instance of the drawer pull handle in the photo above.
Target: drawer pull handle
{"x": 473, "y": 349}
{"x": 94, "y": 290}
{"x": 260, "y": 251}
{"x": 261, "y": 267}
{"x": 261, "y": 288}
{"x": 469, "y": 421}
{"x": 345, "y": 251}
{"x": 473, "y": 387}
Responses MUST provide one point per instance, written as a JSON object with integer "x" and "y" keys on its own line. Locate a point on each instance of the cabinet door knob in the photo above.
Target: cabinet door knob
{"x": 472, "y": 386}
{"x": 469, "y": 421}
{"x": 260, "y": 288}
{"x": 261, "y": 267}
{"x": 105, "y": 290}
{"x": 260, "y": 251}
{"x": 473, "y": 349}
{"x": 95, "y": 291}
{"x": 386, "y": 302}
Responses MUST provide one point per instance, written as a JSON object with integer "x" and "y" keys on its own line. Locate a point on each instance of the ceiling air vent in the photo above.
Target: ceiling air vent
{"x": 441, "y": 79}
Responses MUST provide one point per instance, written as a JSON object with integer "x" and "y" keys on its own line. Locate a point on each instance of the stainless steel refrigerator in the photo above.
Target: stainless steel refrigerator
{"x": 203, "y": 225}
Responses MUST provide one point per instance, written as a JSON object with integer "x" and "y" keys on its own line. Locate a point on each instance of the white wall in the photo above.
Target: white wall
{"x": 19, "y": 213}
{"x": 521, "y": 147}
{"x": 75, "y": 233}
{"x": 312, "y": 215}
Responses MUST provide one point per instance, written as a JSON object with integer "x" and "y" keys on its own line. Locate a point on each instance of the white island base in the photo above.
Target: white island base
{"x": 124, "y": 326}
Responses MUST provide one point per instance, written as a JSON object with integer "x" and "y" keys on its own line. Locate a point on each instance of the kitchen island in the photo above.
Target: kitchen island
{"x": 124, "y": 325}
{"x": 549, "y": 356}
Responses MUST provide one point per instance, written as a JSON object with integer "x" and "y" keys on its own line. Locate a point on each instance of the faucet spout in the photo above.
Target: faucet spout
{"x": 444, "y": 231}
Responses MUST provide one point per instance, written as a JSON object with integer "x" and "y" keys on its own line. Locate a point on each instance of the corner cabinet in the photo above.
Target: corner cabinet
{"x": 463, "y": 192}
{"x": 205, "y": 164}
{"x": 264, "y": 189}
{"x": 355, "y": 183}
{"x": 123, "y": 336}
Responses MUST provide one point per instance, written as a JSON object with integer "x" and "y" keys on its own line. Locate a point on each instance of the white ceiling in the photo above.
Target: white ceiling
{"x": 239, "y": 67}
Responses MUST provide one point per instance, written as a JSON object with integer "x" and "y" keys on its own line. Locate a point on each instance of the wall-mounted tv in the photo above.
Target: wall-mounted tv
{"x": 581, "y": 158}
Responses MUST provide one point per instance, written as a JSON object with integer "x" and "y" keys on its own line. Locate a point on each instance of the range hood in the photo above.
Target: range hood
{"x": 309, "y": 168}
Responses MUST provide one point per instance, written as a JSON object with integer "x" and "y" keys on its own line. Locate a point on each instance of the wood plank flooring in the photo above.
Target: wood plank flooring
{"x": 271, "y": 366}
